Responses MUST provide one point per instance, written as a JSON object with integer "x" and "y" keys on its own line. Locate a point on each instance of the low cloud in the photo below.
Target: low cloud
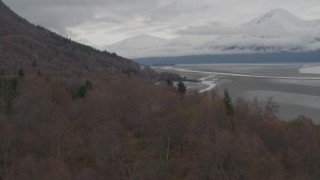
{"x": 113, "y": 20}
{"x": 211, "y": 30}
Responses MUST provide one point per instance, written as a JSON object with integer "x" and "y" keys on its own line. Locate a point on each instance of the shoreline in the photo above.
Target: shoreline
{"x": 296, "y": 93}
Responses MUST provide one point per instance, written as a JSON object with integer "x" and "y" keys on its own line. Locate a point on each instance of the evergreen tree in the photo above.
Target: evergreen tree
{"x": 169, "y": 82}
{"x": 82, "y": 90}
{"x": 181, "y": 87}
{"x": 20, "y": 73}
{"x": 228, "y": 103}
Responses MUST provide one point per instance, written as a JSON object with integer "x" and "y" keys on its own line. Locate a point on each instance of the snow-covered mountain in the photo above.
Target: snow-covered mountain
{"x": 276, "y": 31}
{"x": 280, "y": 21}
{"x": 138, "y": 46}
{"x": 140, "y": 42}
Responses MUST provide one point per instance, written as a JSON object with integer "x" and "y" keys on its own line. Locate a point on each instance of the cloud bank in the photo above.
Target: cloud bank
{"x": 100, "y": 22}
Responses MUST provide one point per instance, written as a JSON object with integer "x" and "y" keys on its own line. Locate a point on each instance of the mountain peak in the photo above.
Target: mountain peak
{"x": 274, "y": 31}
{"x": 137, "y": 45}
{"x": 276, "y": 20}
{"x": 142, "y": 41}
{"x": 279, "y": 14}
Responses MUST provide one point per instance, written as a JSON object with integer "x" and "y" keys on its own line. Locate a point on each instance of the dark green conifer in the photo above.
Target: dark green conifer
{"x": 228, "y": 103}
{"x": 181, "y": 88}
{"x": 21, "y": 73}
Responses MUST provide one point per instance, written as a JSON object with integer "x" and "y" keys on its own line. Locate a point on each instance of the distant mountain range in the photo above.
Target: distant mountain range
{"x": 277, "y": 31}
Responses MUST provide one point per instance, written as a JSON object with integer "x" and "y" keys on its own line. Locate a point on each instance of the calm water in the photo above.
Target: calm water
{"x": 296, "y": 93}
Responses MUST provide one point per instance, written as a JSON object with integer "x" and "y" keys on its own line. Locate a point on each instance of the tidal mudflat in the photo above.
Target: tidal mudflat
{"x": 295, "y": 87}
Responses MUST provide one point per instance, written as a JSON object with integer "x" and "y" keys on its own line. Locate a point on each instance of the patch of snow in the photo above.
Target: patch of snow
{"x": 136, "y": 43}
{"x": 210, "y": 83}
{"x": 275, "y": 31}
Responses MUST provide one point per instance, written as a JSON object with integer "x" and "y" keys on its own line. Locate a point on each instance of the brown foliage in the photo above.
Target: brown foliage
{"x": 126, "y": 127}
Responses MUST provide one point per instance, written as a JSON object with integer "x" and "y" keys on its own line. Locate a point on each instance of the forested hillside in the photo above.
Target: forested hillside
{"x": 34, "y": 49}
{"x": 68, "y": 111}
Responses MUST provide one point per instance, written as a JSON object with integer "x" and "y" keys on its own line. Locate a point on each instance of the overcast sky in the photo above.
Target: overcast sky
{"x": 101, "y": 22}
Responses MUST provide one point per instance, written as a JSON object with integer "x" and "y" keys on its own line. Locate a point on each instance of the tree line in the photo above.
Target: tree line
{"x": 129, "y": 128}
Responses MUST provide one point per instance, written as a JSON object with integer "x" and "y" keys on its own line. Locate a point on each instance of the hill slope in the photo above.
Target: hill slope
{"x": 33, "y": 48}
{"x": 90, "y": 126}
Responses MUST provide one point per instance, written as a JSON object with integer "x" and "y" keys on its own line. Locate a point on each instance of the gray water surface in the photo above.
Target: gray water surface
{"x": 296, "y": 93}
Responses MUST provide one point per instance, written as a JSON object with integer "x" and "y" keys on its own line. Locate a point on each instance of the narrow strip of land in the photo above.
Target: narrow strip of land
{"x": 242, "y": 75}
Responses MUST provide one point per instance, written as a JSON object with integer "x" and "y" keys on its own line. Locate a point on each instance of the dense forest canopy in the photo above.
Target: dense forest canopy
{"x": 68, "y": 111}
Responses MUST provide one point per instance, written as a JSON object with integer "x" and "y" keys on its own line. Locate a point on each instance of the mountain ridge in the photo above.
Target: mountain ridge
{"x": 281, "y": 18}
{"x": 145, "y": 41}
{"x": 34, "y": 48}
{"x": 275, "y": 31}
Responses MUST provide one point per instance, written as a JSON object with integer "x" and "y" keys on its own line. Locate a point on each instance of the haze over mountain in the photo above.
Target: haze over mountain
{"x": 36, "y": 49}
{"x": 139, "y": 43}
{"x": 276, "y": 31}
{"x": 71, "y": 112}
